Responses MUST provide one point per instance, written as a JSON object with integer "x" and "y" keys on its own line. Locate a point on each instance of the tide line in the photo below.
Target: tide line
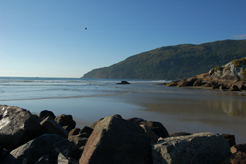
{"x": 69, "y": 97}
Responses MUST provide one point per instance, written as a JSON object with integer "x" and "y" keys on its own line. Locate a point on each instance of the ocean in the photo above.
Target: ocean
{"x": 185, "y": 109}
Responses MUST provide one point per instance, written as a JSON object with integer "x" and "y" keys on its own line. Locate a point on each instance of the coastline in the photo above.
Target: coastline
{"x": 190, "y": 109}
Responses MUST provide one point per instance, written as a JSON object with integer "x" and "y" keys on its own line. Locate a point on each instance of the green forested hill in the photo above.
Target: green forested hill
{"x": 173, "y": 62}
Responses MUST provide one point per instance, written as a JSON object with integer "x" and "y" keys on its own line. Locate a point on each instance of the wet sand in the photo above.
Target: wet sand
{"x": 193, "y": 110}
{"x": 178, "y": 109}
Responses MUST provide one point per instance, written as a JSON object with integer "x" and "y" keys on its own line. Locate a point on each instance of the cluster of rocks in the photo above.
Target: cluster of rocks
{"x": 227, "y": 77}
{"x": 30, "y": 139}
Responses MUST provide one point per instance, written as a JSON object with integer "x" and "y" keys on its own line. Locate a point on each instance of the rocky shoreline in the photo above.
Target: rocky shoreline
{"x": 229, "y": 77}
{"x": 30, "y": 139}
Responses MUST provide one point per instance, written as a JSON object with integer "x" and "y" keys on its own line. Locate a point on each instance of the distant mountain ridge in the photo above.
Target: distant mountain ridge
{"x": 173, "y": 62}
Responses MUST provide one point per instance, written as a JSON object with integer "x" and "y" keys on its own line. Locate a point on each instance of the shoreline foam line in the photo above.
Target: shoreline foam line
{"x": 43, "y": 98}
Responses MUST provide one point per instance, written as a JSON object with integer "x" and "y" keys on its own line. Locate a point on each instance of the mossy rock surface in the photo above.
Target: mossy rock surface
{"x": 217, "y": 68}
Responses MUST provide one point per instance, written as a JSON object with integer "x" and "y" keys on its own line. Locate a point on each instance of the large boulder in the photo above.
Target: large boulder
{"x": 51, "y": 127}
{"x": 17, "y": 126}
{"x": 44, "y": 148}
{"x": 198, "y": 148}
{"x": 117, "y": 141}
{"x": 95, "y": 123}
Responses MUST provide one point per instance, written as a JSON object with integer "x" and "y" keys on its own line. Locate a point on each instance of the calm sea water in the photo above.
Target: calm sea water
{"x": 179, "y": 109}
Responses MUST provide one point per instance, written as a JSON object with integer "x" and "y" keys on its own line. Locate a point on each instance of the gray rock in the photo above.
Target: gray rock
{"x": 198, "y": 148}
{"x": 44, "y": 148}
{"x": 17, "y": 126}
{"x": 117, "y": 141}
{"x": 50, "y": 126}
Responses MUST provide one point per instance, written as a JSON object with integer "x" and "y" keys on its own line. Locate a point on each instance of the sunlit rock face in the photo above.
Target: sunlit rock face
{"x": 202, "y": 148}
{"x": 115, "y": 140}
{"x": 17, "y": 126}
{"x": 234, "y": 68}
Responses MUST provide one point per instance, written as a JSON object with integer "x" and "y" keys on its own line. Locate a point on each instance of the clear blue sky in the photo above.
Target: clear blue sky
{"x": 47, "y": 38}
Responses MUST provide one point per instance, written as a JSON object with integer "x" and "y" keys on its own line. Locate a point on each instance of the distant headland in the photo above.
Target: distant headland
{"x": 173, "y": 62}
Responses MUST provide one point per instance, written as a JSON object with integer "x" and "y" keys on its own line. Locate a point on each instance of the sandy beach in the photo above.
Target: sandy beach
{"x": 178, "y": 109}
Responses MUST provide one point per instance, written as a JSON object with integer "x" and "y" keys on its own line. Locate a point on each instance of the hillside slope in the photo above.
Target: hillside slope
{"x": 173, "y": 62}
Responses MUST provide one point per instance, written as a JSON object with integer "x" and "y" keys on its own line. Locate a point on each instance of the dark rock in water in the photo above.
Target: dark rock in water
{"x": 230, "y": 139}
{"x": 116, "y": 140}
{"x": 51, "y": 127}
{"x": 17, "y": 126}
{"x": 45, "y": 147}
{"x": 66, "y": 121}
{"x": 123, "y": 82}
{"x": 156, "y": 127}
{"x": 198, "y": 148}
{"x": 239, "y": 147}
{"x": 45, "y": 113}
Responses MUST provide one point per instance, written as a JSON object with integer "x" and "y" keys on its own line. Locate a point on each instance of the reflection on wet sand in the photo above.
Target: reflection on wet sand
{"x": 231, "y": 108}
{"x": 196, "y": 110}
{"x": 211, "y": 107}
